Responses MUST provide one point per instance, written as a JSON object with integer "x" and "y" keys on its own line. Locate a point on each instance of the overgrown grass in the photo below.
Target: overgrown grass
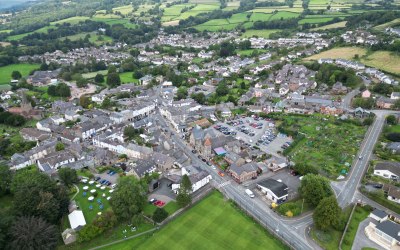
{"x": 360, "y": 214}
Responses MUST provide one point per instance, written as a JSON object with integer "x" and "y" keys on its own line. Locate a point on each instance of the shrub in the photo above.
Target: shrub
{"x": 159, "y": 215}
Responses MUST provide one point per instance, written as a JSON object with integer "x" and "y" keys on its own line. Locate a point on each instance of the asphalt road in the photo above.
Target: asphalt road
{"x": 293, "y": 231}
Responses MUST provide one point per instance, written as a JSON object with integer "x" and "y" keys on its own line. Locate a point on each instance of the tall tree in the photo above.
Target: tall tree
{"x": 33, "y": 233}
{"x": 5, "y": 179}
{"x": 113, "y": 80}
{"x": 327, "y": 213}
{"x": 68, "y": 176}
{"x": 314, "y": 188}
{"x": 16, "y": 75}
{"x": 35, "y": 194}
{"x": 160, "y": 214}
{"x": 184, "y": 198}
{"x": 99, "y": 78}
{"x": 129, "y": 199}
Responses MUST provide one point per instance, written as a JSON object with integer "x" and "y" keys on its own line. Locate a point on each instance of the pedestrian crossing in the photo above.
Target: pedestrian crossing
{"x": 224, "y": 184}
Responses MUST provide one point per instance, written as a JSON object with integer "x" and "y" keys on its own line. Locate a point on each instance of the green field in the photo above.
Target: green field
{"x": 72, "y": 20}
{"x": 278, "y": 8}
{"x": 315, "y": 20}
{"x": 259, "y": 33}
{"x": 260, "y": 17}
{"x": 331, "y": 26}
{"x": 127, "y": 77}
{"x": 125, "y": 10}
{"x": 94, "y": 38}
{"x": 20, "y": 36}
{"x": 320, "y": 146}
{"x": 23, "y": 68}
{"x": 382, "y": 27}
{"x": 211, "y": 224}
{"x": 111, "y": 21}
{"x": 360, "y": 214}
{"x": 383, "y": 60}
{"x": 174, "y": 12}
{"x": 284, "y": 15}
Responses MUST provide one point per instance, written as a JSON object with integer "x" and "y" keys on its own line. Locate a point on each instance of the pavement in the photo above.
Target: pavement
{"x": 361, "y": 240}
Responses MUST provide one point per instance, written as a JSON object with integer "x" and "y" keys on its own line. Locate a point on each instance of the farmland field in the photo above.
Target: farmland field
{"x": 383, "y": 60}
{"x": 331, "y": 26}
{"x": 125, "y": 10}
{"x": 23, "y": 68}
{"x": 320, "y": 146}
{"x": 112, "y": 21}
{"x": 259, "y": 33}
{"x": 94, "y": 38}
{"x": 222, "y": 227}
{"x": 343, "y": 52}
{"x": 284, "y": 15}
{"x": 382, "y": 27}
{"x": 315, "y": 20}
{"x": 260, "y": 17}
{"x": 20, "y": 36}
{"x": 279, "y": 8}
{"x": 71, "y": 20}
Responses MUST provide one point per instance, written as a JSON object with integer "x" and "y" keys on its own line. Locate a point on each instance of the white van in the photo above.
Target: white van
{"x": 249, "y": 193}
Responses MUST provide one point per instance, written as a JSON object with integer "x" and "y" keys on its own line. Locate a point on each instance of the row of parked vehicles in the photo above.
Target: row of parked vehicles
{"x": 224, "y": 130}
{"x": 286, "y": 145}
{"x": 267, "y": 137}
{"x": 104, "y": 182}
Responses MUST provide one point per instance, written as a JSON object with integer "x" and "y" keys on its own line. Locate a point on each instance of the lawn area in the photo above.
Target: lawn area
{"x": 127, "y": 77}
{"x": 318, "y": 145}
{"x": 383, "y": 60}
{"x": 342, "y": 52}
{"x": 259, "y": 33}
{"x": 84, "y": 204}
{"x": 93, "y": 74}
{"x": 330, "y": 239}
{"x": 360, "y": 214}
{"x": 331, "y": 26}
{"x": 171, "y": 208}
{"x": 23, "y": 68}
{"x": 213, "y": 223}
{"x": 296, "y": 207}
{"x": 248, "y": 52}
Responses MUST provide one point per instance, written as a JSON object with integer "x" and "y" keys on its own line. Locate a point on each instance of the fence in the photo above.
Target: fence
{"x": 246, "y": 208}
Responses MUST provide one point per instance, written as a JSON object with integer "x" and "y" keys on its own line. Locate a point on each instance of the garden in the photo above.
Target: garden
{"x": 324, "y": 143}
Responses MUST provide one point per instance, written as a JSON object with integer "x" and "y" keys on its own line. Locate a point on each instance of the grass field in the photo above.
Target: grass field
{"x": 284, "y": 15}
{"x": 342, "y": 52}
{"x": 174, "y": 12}
{"x": 112, "y": 21}
{"x": 126, "y": 77}
{"x": 331, "y": 26}
{"x": 315, "y": 20}
{"x": 20, "y": 36}
{"x": 94, "y": 38}
{"x": 259, "y": 33}
{"x": 260, "y": 17}
{"x": 360, "y": 214}
{"x": 320, "y": 146}
{"x": 382, "y": 27}
{"x": 278, "y": 8}
{"x": 71, "y": 20}
{"x": 211, "y": 224}
{"x": 383, "y": 60}
{"x": 23, "y": 68}
{"x": 125, "y": 10}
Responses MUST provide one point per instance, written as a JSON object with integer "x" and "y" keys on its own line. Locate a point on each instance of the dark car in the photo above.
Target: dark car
{"x": 204, "y": 160}
{"x": 97, "y": 178}
{"x": 194, "y": 151}
{"x": 378, "y": 185}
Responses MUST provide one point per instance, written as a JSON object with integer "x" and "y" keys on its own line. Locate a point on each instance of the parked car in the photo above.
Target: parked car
{"x": 221, "y": 174}
{"x": 151, "y": 201}
{"x": 97, "y": 178}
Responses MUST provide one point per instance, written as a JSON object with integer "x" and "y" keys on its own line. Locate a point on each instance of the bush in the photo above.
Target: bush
{"x": 289, "y": 208}
{"x": 159, "y": 215}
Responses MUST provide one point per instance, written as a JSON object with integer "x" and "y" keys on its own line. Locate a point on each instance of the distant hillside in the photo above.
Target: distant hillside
{"x": 5, "y": 4}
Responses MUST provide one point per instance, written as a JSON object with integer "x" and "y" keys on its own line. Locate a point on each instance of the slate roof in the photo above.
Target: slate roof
{"x": 278, "y": 188}
{"x": 393, "y": 167}
{"x": 379, "y": 213}
{"x": 390, "y": 228}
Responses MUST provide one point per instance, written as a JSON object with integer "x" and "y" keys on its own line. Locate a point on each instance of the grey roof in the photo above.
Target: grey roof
{"x": 249, "y": 167}
{"x": 390, "y": 228}
{"x": 393, "y": 167}
{"x": 144, "y": 166}
{"x": 278, "y": 188}
{"x": 379, "y": 213}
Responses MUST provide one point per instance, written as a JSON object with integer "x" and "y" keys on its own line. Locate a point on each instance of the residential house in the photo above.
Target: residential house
{"x": 385, "y": 233}
{"x": 378, "y": 215}
{"x": 385, "y": 103}
{"x": 388, "y": 170}
{"x": 162, "y": 161}
{"x": 33, "y": 134}
{"x": 366, "y": 94}
{"x": 392, "y": 192}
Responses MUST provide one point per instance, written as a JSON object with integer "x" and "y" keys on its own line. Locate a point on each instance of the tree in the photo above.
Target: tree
{"x": 60, "y": 146}
{"x": 84, "y": 101}
{"x": 327, "y": 213}
{"x": 129, "y": 199}
{"x": 199, "y": 97}
{"x": 68, "y": 176}
{"x": 81, "y": 83}
{"x": 222, "y": 89}
{"x": 5, "y": 179}
{"x": 160, "y": 214}
{"x": 181, "y": 93}
{"x": 113, "y": 80}
{"x": 183, "y": 198}
{"x": 33, "y": 233}
{"x": 99, "y": 78}
{"x": 112, "y": 69}
{"x": 16, "y": 75}
{"x": 391, "y": 120}
{"x": 314, "y": 188}
{"x": 35, "y": 194}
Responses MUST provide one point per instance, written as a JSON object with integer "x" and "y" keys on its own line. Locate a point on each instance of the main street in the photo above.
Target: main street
{"x": 292, "y": 231}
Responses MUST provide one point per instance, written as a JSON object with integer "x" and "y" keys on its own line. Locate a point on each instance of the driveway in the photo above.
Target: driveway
{"x": 361, "y": 240}
{"x": 163, "y": 193}
{"x": 113, "y": 179}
